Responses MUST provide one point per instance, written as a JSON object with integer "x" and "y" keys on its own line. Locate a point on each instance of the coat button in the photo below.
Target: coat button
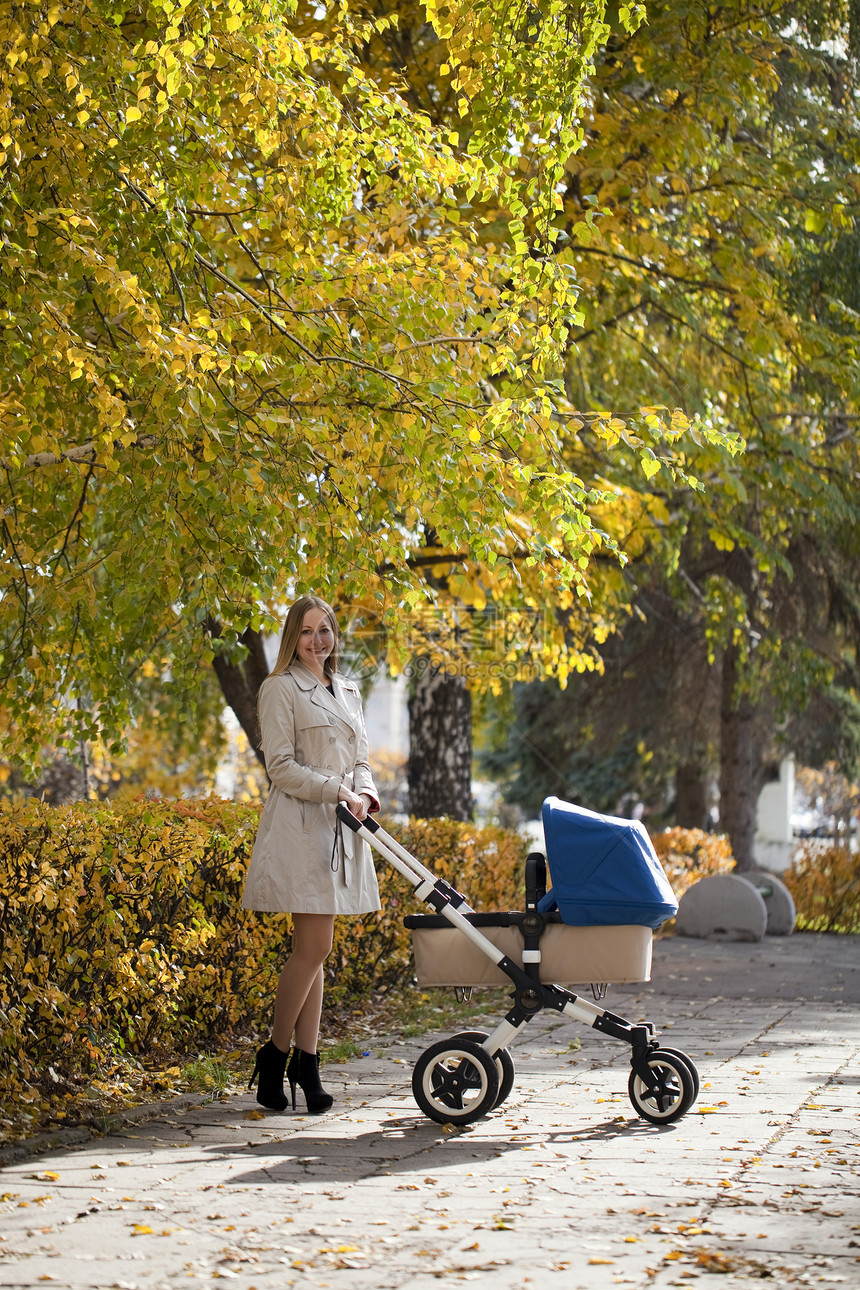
{"x": 332, "y": 739}
{"x": 352, "y": 739}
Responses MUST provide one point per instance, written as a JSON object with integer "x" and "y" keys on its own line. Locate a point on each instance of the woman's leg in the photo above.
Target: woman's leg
{"x": 307, "y": 1029}
{"x": 298, "y": 1001}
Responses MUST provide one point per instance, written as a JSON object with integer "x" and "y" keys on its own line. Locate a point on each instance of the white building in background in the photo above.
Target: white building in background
{"x": 774, "y": 839}
{"x": 386, "y": 716}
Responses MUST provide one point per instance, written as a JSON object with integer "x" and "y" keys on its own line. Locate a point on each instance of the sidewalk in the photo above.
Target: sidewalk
{"x": 563, "y": 1186}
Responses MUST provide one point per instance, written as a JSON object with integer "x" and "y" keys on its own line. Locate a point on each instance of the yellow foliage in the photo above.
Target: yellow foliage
{"x": 824, "y": 882}
{"x": 297, "y": 350}
{"x": 690, "y": 854}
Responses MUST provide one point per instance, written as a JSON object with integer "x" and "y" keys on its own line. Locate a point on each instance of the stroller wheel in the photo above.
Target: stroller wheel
{"x": 668, "y": 1094}
{"x": 694, "y": 1074}
{"x": 455, "y": 1081}
{"x": 504, "y": 1063}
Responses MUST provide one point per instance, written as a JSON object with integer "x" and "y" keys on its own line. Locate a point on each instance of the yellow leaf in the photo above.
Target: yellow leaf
{"x": 720, "y": 540}
{"x": 132, "y": 114}
{"x": 650, "y": 466}
{"x": 659, "y": 509}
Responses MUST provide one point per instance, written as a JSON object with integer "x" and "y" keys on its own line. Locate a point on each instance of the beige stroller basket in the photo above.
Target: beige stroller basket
{"x": 569, "y": 955}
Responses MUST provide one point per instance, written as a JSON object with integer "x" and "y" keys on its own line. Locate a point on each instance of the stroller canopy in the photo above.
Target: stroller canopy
{"x": 604, "y": 870}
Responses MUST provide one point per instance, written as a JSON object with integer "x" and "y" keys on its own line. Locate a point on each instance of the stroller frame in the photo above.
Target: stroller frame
{"x": 461, "y": 1079}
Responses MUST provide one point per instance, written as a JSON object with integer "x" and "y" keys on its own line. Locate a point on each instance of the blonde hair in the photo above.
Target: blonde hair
{"x": 292, "y": 632}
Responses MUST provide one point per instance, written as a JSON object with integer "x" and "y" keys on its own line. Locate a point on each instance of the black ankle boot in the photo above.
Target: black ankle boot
{"x": 304, "y": 1070}
{"x": 270, "y": 1066}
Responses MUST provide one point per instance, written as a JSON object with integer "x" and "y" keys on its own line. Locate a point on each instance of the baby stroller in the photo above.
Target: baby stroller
{"x": 594, "y": 925}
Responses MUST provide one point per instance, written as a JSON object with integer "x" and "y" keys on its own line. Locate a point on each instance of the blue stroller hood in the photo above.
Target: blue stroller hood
{"x": 604, "y": 870}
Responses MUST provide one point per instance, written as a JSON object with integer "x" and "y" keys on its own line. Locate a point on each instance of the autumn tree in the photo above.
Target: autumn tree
{"x": 721, "y": 147}
{"x": 266, "y": 319}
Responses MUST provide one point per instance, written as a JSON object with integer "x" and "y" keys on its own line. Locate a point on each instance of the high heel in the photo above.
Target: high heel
{"x": 270, "y": 1065}
{"x": 304, "y": 1070}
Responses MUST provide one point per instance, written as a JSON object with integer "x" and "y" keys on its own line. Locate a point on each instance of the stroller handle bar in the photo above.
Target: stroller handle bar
{"x": 391, "y": 849}
{"x": 437, "y": 893}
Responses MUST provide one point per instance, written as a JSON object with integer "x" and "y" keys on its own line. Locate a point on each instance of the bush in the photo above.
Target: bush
{"x": 123, "y": 931}
{"x": 690, "y": 854}
{"x": 824, "y": 882}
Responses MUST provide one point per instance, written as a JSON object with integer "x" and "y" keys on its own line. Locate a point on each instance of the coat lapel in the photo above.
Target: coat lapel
{"x": 334, "y": 704}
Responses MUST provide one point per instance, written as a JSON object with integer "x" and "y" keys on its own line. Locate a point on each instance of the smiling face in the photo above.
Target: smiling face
{"x": 316, "y": 641}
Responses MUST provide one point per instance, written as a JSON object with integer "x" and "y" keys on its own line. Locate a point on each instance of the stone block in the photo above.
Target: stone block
{"x": 778, "y": 902}
{"x": 723, "y": 907}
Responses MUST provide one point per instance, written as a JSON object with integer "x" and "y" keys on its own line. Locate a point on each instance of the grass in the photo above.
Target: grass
{"x": 207, "y": 1075}
{"x": 342, "y": 1051}
{"x": 405, "y": 1014}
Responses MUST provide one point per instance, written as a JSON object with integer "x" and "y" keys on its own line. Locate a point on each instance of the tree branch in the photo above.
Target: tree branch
{"x": 84, "y": 452}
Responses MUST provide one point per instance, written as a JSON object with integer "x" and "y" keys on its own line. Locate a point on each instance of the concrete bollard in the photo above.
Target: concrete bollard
{"x": 778, "y": 901}
{"x": 723, "y": 907}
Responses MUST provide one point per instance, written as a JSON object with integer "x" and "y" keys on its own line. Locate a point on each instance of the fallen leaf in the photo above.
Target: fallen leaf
{"x": 713, "y": 1261}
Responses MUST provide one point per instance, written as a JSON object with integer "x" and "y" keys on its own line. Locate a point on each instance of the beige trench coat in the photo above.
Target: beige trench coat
{"x": 304, "y": 861}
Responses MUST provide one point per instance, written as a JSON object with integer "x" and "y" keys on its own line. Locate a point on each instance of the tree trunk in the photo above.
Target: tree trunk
{"x": 240, "y": 682}
{"x": 691, "y": 797}
{"x": 740, "y": 765}
{"x": 439, "y": 771}
{"x": 60, "y": 783}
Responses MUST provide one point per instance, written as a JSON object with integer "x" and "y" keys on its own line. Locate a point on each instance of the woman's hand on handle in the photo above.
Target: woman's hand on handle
{"x": 357, "y": 804}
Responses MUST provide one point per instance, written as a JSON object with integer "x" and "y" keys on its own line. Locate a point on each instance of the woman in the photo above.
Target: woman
{"x": 303, "y": 861}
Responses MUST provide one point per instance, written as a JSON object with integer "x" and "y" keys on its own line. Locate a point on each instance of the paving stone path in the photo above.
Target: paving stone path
{"x": 562, "y": 1186}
